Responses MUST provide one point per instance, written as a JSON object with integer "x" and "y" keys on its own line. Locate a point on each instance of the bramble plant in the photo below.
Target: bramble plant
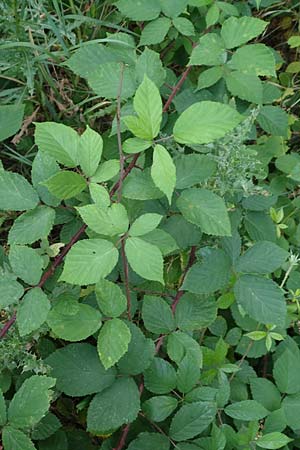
{"x": 150, "y": 277}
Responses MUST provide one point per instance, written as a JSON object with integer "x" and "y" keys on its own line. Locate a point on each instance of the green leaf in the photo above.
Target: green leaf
{"x": 155, "y": 31}
{"x": 135, "y": 145}
{"x": 160, "y": 377}
{"x": 273, "y": 120}
{"x": 145, "y": 224}
{"x": 191, "y": 420}
{"x": 265, "y": 392}
{"x": 205, "y": 122}
{"x": 149, "y": 441}
{"x": 10, "y": 290}
{"x": 32, "y": 311}
{"x": 117, "y": 405}
{"x": 193, "y": 169}
{"x": 139, "y": 186}
{"x": 99, "y": 195}
{"x": 144, "y": 10}
{"x": 31, "y": 402}
{"x": 159, "y": 408}
{"x": 16, "y": 194}
{"x": 263, "y": 257}
{"x": 149, "y": 63}
{"x": 140, "y": 353}
{"x": 273, "y": 440}
{"x": 195, "y": 312}
{"x": 290, "y": 408}
{"x": 164, "y": 241}
{"x": 246, "y": 410}
{"x": 26, "y": 263}
{"x": 72, "y": 321}
{"x": 209, "y": 52}
{"x": 237, "y": 31}
{"x": 75, "y": 366}
{"x": 184, "y": 26}
{"x": 3, "y": 416}
{"x": 245, "y": 86}
{"x": 65, "y": 184}
{"x": 206, "y": 210}
{"x": 110, "y": 221}
{"x": 46, "y": 427}
{"x": 261, "y": 298}
{"x": 14, "y": 439}
{"x": 256, "y": 59}
{"x": 106, "y": 171}
{"x": 57, "y": 441}
{"x": 210, "y": 77}
{"x": 105, "y": 80}
{"x": 113, "y": 341}
{"x": 212, "y": 15}
{"x": 286, "y": 372}
{"x": 59, "y": 141}
{"x": 11, "y": 117}
{"x": 88, "y": 261}
{"x": 173, "y": 8}
{"x": 181, "y": 344}
{"x": 32, "y": 226}
{"x": 157, "y": 315}
{"x": 260, "y": 226}
{"x": 163, "y": 171}
{"x": 90, "y": 151}
{"x": 145, "y": 259}
{"x": 148, "y": 106}
{"x": 43, "y": 167}
{"x": 187, "y": 374}
{"x": 111, "y": 299}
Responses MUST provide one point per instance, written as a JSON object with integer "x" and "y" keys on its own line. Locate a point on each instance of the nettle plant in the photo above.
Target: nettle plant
{"x": 151, "y": 271}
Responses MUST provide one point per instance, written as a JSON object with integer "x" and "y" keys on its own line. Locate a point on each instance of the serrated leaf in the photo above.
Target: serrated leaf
{"x": 209, "y": 52}
{"x": 74, "y": 367}
{"x": 159, "y": 408}
{"x": 265, "y": 392}
{"x": 286, "y": 371}
{"x": 46, "y": 427}
{"x": 290, "y": 408}
{"x": 173, "y": 8}
{"x": 255, "y": 59}
{"x": 195, "y": 312}
{"x": 263, "y": 257}
{"x": 106, "y": 171}
{"x": 16, "y": 193}
{"x": 105, "y": 80}
{"x": 113, "y": 341}
{"x": 32, "y": 225}
{"x": 188, "y": 375}
{"x": 149, "y": 63}
{"x": 273, "y": 120}
{"x": 140, "y": 186}
{"x": 145, "y": 224}
{"x": 181, "y": 344}
{"x": 88, "y": 261}
{"x": 157, "y": 315}
{"x": 99, "y": 195}
{"x": 163, "y": 171}
{"x": 90, "y": 151}
{"x": 110, "y": 221}
{"x": 184, "y": 26}
{"x": 32, "y": 311}
{"x": 237, "y": 31}
{"x": 144, "y": 10}
{"x": 43, "y": 167}
{"x": 245, "y": 86}
{"x": 26, "y": 263}
{"x": 155, "y": 31}
{"x": 205, "y": 122}
{"x": 191, "y": 420}
{"x": 273, "y": 440}
{"x": 149, "y": 441}
{"x": 10, "y": 290}
{"x": 110, "y": 297}
{"x": 117, "y": 405}
{"x": 164, "y": 241}
{"x": 14, "y": 439}
{"x": 65, "y": 184}
{"x": 206, "y": 210}
{"x": 11, "y": 117}
{"x": 160, "y": 377}
{"x": 247, "y": 410}
{"x": 210, "y": 77}
{"x": 193, "y": 169}
{"x": 145, "y": 259}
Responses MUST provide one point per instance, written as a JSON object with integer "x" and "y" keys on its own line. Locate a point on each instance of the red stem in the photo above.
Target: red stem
{"x": 177, "y": 88}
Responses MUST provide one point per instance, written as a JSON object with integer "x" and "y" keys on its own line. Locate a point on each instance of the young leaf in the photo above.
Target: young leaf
{"x": 26, "y": 263}
{"x": 246, "y": 410}
{"x": 237, "y": 31}
{"x": 205, "y": 122}
{"x": 191, "y": 420}
{"x": 273, "y": 440}
{"x": 115, "y": 406}
{"x": 110, "y": 221}
{"x": 16, "y": 194}
{"x": 14, "y": 439}
{"x": 90, "y": 151}
{"x": 163, "y": 171}
{"x": 33, "y": 311}
{"x": 159, "y": 408}
{"x": 32, "y": 225}
{"x": 110, "y": 297}
{"x": 160, "y": 377}
{"x": 263, "y": 257}
{"x": 88, "y": 261}
{"x": 74, "y": 367}
{"x": 65, "y": 184}
{"x": 145, "y": 224}
{"x": 31, "y": 402}
{"x": 113, "y": 341}
{"x": 157, "y": 315}
{"x": 145, "y": 259}
{"x": 149, "y": 441}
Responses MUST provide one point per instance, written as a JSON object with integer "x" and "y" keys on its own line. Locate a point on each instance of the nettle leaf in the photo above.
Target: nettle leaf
{"x": 257, "y": 59}
{"x": 237, "y": 31}
{"x": 140, "y": 353}
{"x": 155, "y": 31}
{"x": 32, "y": 311}
{"x": 26, "y": 263}
{"x": 210, "y": 77}
{"x": 88, "y": 261}
{"x": 3, "y": 416}
{"x": 32, "y": 226}
{"x": 73, "y": 321}
{"x": 246, "y": 410}
{"x": 145, "y": 259}
{"x": 261, "y": 298}
{"x": 157, "y": 315}
{"x": 173, "y": 8}
{"x": 144, "y": 10}
{"x": 286, "y": 372}
{"x": 90, "y": 151}
{"x": 117, "y": 405}
{"x": 78, "y": 370}
{"x": 105, "y": 80}
{"x": 113, "y": 341}
{"x": 273, "y": 440}
{"x": 149, "y": 441}
{"x": 110, "y": 221}
{"x": 31, "y": 402}
{"x": 106, "y": 171}
{"x": 205, "y": 122}
{"x": 163, "y": 171}
{"x": 273, "y": 120}
{"x": 14, "y": 439}
{"x": 206, "y": 210}
{"x": 245, "y": 86}
{"x": 59, "y": 141}
{"x": 111, "y": 299}
{"x": 11, "y": 117}
{"x": 145, "y": 224}
{"x": 148, "y": 106}
{"x": 263, "y": 257}
{"x": 191, "y": 420}
{"x": 160, "y": 377}
{"x": 16, "y": 193}
{"x": 65, "y": 184}
{"x": 209, "y": 52}
{"x": 195, "y": 312}
{"x": 10, "y": 290}
{"x": 184, "y": 26}
{"x": 159, "y": 408}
